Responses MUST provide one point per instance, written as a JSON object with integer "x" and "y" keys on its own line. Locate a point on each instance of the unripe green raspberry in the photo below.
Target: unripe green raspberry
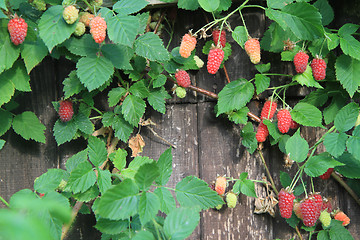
{"x": 62, "y": 185}
{"x": 39, "y": 5}
{"x": 325, "y": 218}
{"x": 66, "y": 3}
{"x": 231, "y": 199}
{"x": 79, "y": 29}
{"x": 180, "y": 92}
{"x": 218, "y": 207}
{"x": 198, "y": 61}
{"x": 96, "y": 3}
{"x": 152, "y": 25}
{"x": 70, "y": 14}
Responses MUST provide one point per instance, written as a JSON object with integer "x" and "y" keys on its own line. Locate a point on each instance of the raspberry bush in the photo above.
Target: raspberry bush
{"x": 118, "y": 51}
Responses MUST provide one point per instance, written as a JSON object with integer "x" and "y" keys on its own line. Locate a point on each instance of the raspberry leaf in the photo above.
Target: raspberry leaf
{"x": 348, "y": 73}
{"x": 124, "y": 7}
{"x": 119, "y": 158}
{"x": 111, "y": 226}
{"x": 134, "y": 166}
{"x": 338, "y": 231}
{"x": 33, "y": 53}
{"x": 104, "y": 180}
{"x": 149, "y": 206}
{"x": 122, "y": 128}
{"x": 97, "y": 151}
{"x": 150, "y": 46}
{"x": 64, "y": 132}
{"x": 307, "y": 115}
{"x": 138, "y": 89}
{"x": 120, "y": 201}
{"x": 146, "y": 175}
{"x": 297, "y": 147}
{"x": 8, "y": 54}
{"x": 319, "y": 164}
{"x": 248, "y": 137}
{"x": 157, "y": 99}
{"x": 50, "y": 180}
{"x": 188, "y": 218}
{"x": 2, "y": 143}
{"x": 353, "y": 143}
{"x": 240, "y": 35}
{"x": 76, "y": 159}
{"x": 119, "y": 55}
{"x": 84, "y": 46}
{"x": 7, "y": 88}
{"x": 351, "y": 169}
{"x": 5, "y": 121}
{"x": 278, "y": 4}
{"x": 72, "y": 85}
{"x": 239, "y": 116}
{"x": 326, "y": 11}
{"x": 28, "y": 126}
{"x": 167, "y": 201}
{"x": 209, "y": 5}
{"x": 306, "y": 78}
{"x": 123, "y": 29}
{"x": 83, "y": 123}
{"x": 188, "y": 4}
{"x": 81, "y": 178}
{"x": 165, "y": 167}
{"x": 346, "y": 117}
{"x": 273, "y": 130}
{"x": 132, "y": 109}
{"x": 115, "y": 95}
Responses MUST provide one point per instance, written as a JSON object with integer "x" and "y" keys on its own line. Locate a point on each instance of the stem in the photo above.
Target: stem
{"x": 156, "y": 225}
{"x": 4, "y": 201}
{"x": 298, "y": 233}
{"x": 268, "y": 172}
{"x": 277, "y": 74}
{"x": 89, "y": 6}
{"x": 258, "y": 6}
{"x": 243, "y": 20}
{"x": 159, "y": 22}
{"x": 157, "y": 135}
{"x": 347, "y": 188}
{"x": 226, "y": 73}
{"x": 75, "y": 211}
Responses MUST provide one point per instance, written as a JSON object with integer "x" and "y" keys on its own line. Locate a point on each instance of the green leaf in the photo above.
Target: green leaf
{"x": 133, "y": 109}
{"x": 164, "y": 165}
{"x": 335, "y": 143}
{"x": 115, "y": 95}
{"x": 293, "y": 221}
{"x": 187, "y": 218}
{"x": 119, "y": 158}
{"x": 306, "y": 78}
{"x": 2, "y": 143}
{"x": 262, "y": 82}
{"x": 351, "y": 169}
{"x": 143, "y": 235}
{"x": 348, "y": 29}
{"x": 49, "y": 181}
{"x": 319, "y": 164}
{"x": 97, "y": 151}
{"x": 285, "y": 179}
{"x": 72, "y": 85}
{"x": 53, "y": 29}
{"x": 331, "y": 111}
{"x": 111, "y": 226}
{"x": 5, "y": 121}
{"x": 33, "y": 53}
{"x": 88, "y": 195}
{"x": 104, "y": 180}
{"x": 279, "y": 4}
{"x": 119, "y": 55}
{"x": 122, "y": 128}
{"x": 317, "y": 98}
{"x": 159, "y": 81}
{"x": 209, "y": 5}
{"x": 332, "y": 40}
{"x": 274, "y": 37}
{"x": 350, "y": 46}
{"x": 348, "y": 73}
{"x": 188, "y": 4}
{"x": 123, "y": 29}
{"x": 339, "y": 232}
{"x": 346, "y": 117}
{"x": 151, "y": 47}
{"x": 94, "y": 71}
{"x": 301, "y": 18}
{"x": 18, "y": 76}
{"x": 8, "y": 54}
{"x": 28, "y": 126}
{"x": 307, "y": 115}
{"x": 7, "y": 88}
{"x": 84, "y": 46}
{"x": 76, "y": 159}
{"x": 323, "y": 235}
{"x": 157, "y": 99}
{"x": 146, "y": 175}
{"x": 240, "y": 35}
{"x": 240, "y": 116}
{"x": 353, "y": 143}
{"x": 297, "y": 147}
{"x": 326, "y": 11}
{"x": 81, "y": 178}
{"x": 120, "y": 201}
{"x": 262, "y": 68}
{"x": 83, "y": 123}
{"x": 234, "y": 96}
{"x": 139, "y": 89}
{"x": 149, "y": 206}
{"x": 135, "y": 165}
{"x": 289, "y": 55}
{"x": 167, "y": 201}
{"x": 125, "y": 7}
{"x": 247, "y": 187}
{"x": 192, "y": 191}
{"x": 64, "y": 132}
{"x": 248, "y": 137}
{"x": 273, "y": 130}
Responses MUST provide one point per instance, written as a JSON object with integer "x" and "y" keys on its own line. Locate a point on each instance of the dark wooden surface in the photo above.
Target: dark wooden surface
{"x": 206, "y": 146}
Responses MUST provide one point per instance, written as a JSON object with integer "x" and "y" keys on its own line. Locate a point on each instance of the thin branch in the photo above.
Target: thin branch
{"x": 298, "y": 233}
{"x": 4, "y": 201}
{"x": 158, "y": 136}
{"x": 347, "y": 188}
{"x": 268, "y": 172}
{"x": 159, "y": 22}
{"x": 226, "y": 73}
{"x": 75, "y": 211}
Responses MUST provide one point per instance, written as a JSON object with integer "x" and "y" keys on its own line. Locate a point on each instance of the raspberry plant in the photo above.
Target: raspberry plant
{"x": 120, "y": 56}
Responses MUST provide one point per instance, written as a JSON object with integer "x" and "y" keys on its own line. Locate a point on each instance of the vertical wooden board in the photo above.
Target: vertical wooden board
{"x": 221, "y": 154}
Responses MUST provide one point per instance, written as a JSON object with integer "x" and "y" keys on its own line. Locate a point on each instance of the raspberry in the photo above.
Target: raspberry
{"x": 284, "y": 120}
{"x": 266, "y": 112}
{"x": 300, "y": 61}
{"x": 70, "y": 14}
{"x": 215, "y": 58}
{"x": 98, "y": 29}
{"x": 198, "y": 61}
{"x": 39, "y": 5}
{"x": 294, "y": 125}
{"x": 85, "y": 18}
{"x": 180, "y": 92}
{"x": 96, "y": 3}
{"x": 286, "y": 201}
{"x": 252, "y": 48}
{"x": 341, "y": 216}
{"x": 79, "y": 29}
{"x": 318, "y": 202}
{"x": 216, "y": 34}
{"x": 187, "y": 45}
{"x": 220, "y": 185}
{"x": 262, "y": 132}
{"x": 318, "y": 67}
{"x": 17, "y": 28}
{"x": 327, "y": 174}
{"x": 41, "y": 195}
{"x": 308, "y": 211}
{"x": 325, "y": 218}
{"x": 182, "y": 78}
{"x": 326, "y": 205}
{"x": 297, "y": 210}
{"x": 66, "y": 110}
{"x": 231, "y": 199}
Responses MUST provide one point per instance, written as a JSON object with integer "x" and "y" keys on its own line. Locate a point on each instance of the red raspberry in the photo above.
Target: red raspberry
{"x": 326, "y": 205}
{"x": 294, "y": 125}
{"x": 300, "y": 61}
{"x": 18, "y": 29}
{"x": 98, "y": 29}
{"x": 182, "y": 78}
{"x": 286, "y": 201}
{"x": 216, "y": 34}
{"x": 297, "y": 210}
{"x": 215, "y": 57}
{"x": 327, "y": 174}
{"x": 41, "y": 195}
{"x": 70, "y": 14}
{"x": 66, "y": 110}
{"x": 308, "y": 210}
{"x": 318, "y": 67}
{"x": 266, "y": 112}
{"x": 284, "y": 120}
{"x": 262, "y": 132}
{"x": 318, "y": 202}
{"x": 220, "y": 185}
{"x": 341, "y": 216}
{"x": 187, "y": 45}
{"x": 252, "y": 48}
